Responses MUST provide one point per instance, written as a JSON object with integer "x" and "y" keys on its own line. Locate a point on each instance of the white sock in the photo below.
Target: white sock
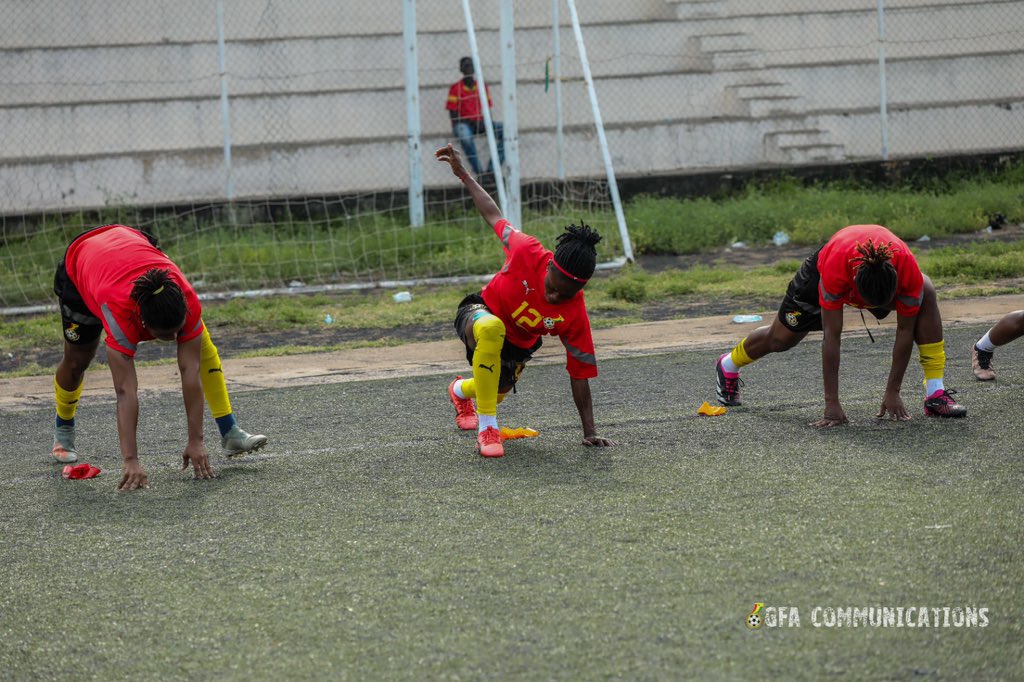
{"x": 932, "y": 385}
{"x": 485, "y": 420}
{"x": 458, "y": 389}
{"x": 986, "y": 344}
{"x": 728, "y": 365}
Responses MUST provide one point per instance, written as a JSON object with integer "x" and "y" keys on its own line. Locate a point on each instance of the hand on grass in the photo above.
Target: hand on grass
{"x": 196, "y": 454}
{"x": 598, "y": 442}
{"x": 133, "y": 476}
{"x": 834, "y": 416}
{"x": 893, "y": 405}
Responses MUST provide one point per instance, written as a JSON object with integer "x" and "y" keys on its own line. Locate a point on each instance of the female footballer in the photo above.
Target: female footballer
{"x": 864, "y": 266}
{"x": 115, "y": 278}
{"x": 535, "y": 293}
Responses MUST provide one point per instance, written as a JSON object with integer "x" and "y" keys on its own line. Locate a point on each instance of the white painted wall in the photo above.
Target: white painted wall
{"x": 101, "y": 107}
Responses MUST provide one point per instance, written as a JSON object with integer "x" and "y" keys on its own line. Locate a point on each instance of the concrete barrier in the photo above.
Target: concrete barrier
{"x": 129, "y": 110}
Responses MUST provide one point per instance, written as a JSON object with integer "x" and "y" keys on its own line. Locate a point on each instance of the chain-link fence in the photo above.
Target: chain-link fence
{"x": 159, "y": 113}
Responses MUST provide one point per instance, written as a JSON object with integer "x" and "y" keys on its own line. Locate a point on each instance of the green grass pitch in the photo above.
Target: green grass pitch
{"x": 369, "y": 541}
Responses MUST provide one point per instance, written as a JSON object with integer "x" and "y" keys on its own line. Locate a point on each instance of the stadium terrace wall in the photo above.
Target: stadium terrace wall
{"x": 105, "y": 110}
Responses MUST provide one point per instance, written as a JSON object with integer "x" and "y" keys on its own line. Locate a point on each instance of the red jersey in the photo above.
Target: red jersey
{"x": 837, "y": 270}
{"x": 465, "y": 102}
{"x": 516, "y": 296}
{"x": 103, "y": 265}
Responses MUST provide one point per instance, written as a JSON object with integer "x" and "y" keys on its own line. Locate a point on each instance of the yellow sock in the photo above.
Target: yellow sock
{"x": 215, "y": 389}
{"x": 468, "y": 388}
{"x": 933, "y": 359}
{"x": 739, "y": 355}
{"x": 489, "y": 332}
{"x": 67, "y": 401}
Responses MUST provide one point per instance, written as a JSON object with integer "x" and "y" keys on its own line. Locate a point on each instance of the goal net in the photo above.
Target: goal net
{"x": 265, "y": 143}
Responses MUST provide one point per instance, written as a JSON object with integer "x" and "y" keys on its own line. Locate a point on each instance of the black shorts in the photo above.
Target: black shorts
{"x": 800, "y": 310}
{"x": 80, "y": 327}
{"x": 513, "y": 358}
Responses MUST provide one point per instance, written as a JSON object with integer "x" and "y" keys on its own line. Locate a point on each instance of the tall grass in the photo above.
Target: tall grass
{"x": 809, "y": 215}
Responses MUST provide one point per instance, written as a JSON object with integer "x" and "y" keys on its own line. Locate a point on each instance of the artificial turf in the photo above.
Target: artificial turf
{"x": 370, "y": 542}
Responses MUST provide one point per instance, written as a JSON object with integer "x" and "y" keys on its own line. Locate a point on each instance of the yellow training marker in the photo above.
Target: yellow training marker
{"x": 512, "y": 434}
{"x": 709, "y": 410}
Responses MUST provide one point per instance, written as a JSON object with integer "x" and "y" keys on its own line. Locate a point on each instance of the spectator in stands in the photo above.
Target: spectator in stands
{"x": 468, "y": 118}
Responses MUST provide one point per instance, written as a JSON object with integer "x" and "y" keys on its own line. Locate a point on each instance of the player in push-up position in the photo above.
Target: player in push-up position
{"x": 115, "y": 278}
{"x": 865, "y": 266}
{"x": 535, "y": 293}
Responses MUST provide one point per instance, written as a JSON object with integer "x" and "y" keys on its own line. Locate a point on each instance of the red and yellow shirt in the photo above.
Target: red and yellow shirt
{"x": 516, "y": 296}
{"x": 465, "y": 102}
{"x": 837, "y": 269}
{"x": 104, "y": 263}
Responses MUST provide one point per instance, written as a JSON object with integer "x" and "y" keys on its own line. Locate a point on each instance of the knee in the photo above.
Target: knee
{"x": 779, "y": 343}
{"x": 77, "y": 362}
{"x": 489, "y": 329}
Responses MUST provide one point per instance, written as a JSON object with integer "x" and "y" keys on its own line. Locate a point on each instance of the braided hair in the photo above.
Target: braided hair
{"x": 160, "y": 300}
{"x": 876, "y": 275}
{"x": 575, "y": 253}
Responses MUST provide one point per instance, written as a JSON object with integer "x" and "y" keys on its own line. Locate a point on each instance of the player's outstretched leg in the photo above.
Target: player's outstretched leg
{"x": 233, "y": 439}
{"x": 776, "y": 338}
{"x": 931, "y": 347}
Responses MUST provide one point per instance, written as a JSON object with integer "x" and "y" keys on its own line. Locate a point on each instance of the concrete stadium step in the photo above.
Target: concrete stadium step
{"x": 759, "y": 99}
{"x": 139, "y": 72}
{"x": 380, "y": 112}
{"x": 837, "y": 37}
{"x": 129, "y": 73}
{"x": 331, "y": 166}
{"x": 802, "y": 146}
{"x": 764, "y": 7}
{"x": 154, "y": 22}
{"x": 698, "y": 9}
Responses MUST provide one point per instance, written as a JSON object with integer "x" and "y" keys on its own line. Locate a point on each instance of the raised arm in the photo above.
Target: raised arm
{"x": 481, "y": 199}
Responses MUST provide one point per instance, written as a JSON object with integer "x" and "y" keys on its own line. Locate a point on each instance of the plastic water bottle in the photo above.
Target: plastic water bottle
{"x": 328, "y": 319}
{"x": 741, "y": 319}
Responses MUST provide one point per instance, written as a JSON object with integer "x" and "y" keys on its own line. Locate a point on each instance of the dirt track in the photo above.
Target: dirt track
{"x": 447, "y": 356}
